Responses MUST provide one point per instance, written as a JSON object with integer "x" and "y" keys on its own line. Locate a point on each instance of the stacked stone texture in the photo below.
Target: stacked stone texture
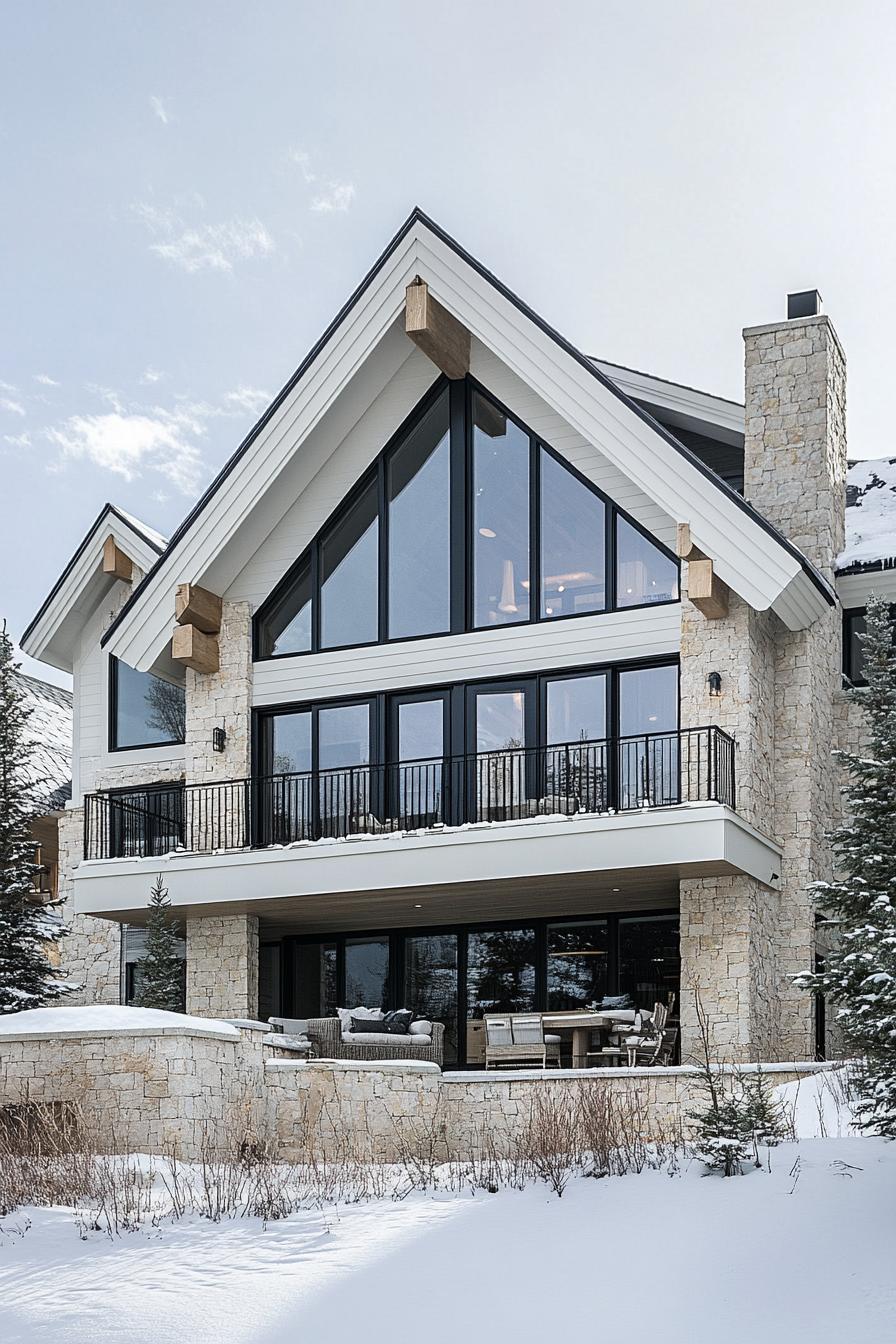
{"x": 222, "y": 966}
{"x": 743, "y": 942}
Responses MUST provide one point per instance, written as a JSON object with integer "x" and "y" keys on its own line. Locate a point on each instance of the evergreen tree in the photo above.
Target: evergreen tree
{"x": 26, "y": 978}
{"x": 160, "y": 969}
{"x": 859, "y": 975}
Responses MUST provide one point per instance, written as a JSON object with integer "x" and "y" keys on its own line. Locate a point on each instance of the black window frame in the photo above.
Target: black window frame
{"x": 849, "y": 616}
{"x": 461, "y": 565}
{"x": 112, "y": 725}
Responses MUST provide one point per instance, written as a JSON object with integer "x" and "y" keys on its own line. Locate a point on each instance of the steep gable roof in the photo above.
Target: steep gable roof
{"x": 751, "y": 555}
{"x": 51, "y": 634}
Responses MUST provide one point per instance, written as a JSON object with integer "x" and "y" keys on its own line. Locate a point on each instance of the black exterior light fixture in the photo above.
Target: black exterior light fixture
{"x": 219, "y": 739}
{"x": 714, "y": 682}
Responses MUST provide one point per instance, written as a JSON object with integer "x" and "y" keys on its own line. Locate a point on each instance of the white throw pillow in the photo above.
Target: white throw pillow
{"x": 345, "y": 1015}
{"x": 421, "y": 1028}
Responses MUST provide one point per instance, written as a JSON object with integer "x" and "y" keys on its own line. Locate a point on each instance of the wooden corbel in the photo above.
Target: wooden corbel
{"x": 115, "y": 562}
{"x": 194, "y": 648}
{"x": 197, "y": 606}
{"x": 433, "y": 330}
{"x": 706, "y": 590}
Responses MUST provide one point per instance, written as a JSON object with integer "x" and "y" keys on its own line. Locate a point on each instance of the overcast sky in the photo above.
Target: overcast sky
{"x": 190, "y": 190}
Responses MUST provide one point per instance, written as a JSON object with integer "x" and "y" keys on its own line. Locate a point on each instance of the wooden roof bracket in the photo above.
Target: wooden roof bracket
{"x": 706, "y": 590}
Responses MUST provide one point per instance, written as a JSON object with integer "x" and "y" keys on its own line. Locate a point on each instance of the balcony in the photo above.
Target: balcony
{"x": 613, "y": 776}
{"x": 573, "y": 828}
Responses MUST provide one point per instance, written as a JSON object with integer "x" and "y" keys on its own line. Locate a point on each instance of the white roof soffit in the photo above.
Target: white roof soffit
{"x": 53, "y": 633}
{"x": 751, "y": 557}
{"x": 681, "y": 405}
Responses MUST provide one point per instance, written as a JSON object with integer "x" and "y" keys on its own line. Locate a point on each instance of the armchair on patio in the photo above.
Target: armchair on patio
{"x": 518, "y": 1038}
{"x": 294, "y": 1033}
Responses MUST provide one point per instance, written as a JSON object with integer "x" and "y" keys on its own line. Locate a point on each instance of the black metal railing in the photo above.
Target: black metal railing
{"x": 614, "y": 775}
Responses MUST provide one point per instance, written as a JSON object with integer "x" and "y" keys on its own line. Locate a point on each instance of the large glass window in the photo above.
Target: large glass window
{"x": 291, "y": 743}
{"x": 431, "y": 980}
{"x": 349, "y": 575}
{"x": 648, "y": 747}
{"x": 314, "y": 977}
{"x": 418, "y": 487}
{"x": 344, "y": 741}
{"x": 500, "y": 517}
{"x": 455, "y": 521}
{"x": 366, "y": 973}
{"x": 420, "y": 747}
{"x": 644, "y": 573}
{"x": 146, "y": 711}
{"x": 500, "y": 971}
{"x": 573, "y": 543}
{"x": 576, "y": 726}
{"x": 287, "y": 627}
{"x": 577, "y": 964}
{"x": 649, "y": 959}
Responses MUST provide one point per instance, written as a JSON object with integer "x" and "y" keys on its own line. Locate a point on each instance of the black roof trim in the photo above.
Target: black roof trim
{"x": 104, "y": 513}
{"x": 419, "y": 216}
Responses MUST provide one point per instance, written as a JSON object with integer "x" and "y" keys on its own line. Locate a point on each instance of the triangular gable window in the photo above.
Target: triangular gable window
{"x": 467, "y": 521}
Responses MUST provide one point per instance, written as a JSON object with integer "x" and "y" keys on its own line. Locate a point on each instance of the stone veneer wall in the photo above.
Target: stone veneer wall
{"x": 154, "y": 1090}
{"x": 149, "y": 1091}
{"x": 334, "y": 1109}
{"x": 222, "y": 966}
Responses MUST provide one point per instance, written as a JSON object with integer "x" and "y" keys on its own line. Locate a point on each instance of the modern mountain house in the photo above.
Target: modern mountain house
{"x": 486, "y": 675}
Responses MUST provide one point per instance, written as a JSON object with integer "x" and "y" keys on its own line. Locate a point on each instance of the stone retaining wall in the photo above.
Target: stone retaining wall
{"x": 154, "y": 1091}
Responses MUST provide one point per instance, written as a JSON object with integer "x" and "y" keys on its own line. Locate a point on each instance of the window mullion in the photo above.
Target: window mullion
{"x": 534, "y": 530}
{"x": 382, "y": 557}
{"x": 461, "y": 555}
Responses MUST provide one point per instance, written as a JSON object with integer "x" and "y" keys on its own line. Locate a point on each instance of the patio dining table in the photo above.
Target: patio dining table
{"x": 582, "y": 1023}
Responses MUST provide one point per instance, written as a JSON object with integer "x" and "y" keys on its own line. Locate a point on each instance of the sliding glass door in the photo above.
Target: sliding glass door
{"x": 417, "y": 784}
{"x": 648, "y": 736}
{"x": 575, "y": 713}
{"x": 431, "y": 968}
{"x": 501, "y": 725}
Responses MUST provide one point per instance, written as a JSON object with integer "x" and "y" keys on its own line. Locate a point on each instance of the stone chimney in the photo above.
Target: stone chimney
{"x": 795, "y": 442}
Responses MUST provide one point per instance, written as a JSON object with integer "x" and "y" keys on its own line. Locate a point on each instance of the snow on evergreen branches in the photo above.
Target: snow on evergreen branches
{"x": 26, "y": 978}
{"x": 859, "y": 974}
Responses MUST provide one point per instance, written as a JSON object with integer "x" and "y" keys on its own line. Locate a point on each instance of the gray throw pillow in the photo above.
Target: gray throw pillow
{"x": 397, "y": 1023}
{"x": 367, "y": 1024}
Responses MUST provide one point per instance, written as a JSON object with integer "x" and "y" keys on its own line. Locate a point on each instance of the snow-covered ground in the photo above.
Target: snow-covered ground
{"x": 800, "y": 1249}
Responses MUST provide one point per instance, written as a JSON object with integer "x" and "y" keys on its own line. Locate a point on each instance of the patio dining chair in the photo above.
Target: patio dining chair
{"x": 658, "y": 1051}
{"x": 615, "y": 1052}
{"x": 518, "y": 1038}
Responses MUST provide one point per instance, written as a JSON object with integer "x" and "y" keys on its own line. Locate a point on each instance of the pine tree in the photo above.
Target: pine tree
{"x": 26, "y": 978}
{"x": 859, "y": 975}
{"x": 160, "y": 969}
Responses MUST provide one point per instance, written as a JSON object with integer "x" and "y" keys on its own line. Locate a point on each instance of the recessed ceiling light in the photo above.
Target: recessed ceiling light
{"x": 418, "y": 907}
{"x": 616, "y": 888}
{"x": 487, "y": 532}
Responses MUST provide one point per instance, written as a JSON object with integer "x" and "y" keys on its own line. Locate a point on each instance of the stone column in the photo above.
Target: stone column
{"x": 222, "y": 700}
{"x": 222, "y": 966}
{"x": 794, "y": 473}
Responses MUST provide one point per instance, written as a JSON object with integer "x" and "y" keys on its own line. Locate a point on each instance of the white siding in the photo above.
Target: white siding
{"x": 486, "y": 653}
{"x": 341, "y": 468}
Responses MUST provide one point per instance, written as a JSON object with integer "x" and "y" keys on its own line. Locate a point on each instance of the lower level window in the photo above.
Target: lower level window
{"x": 133, "y": 949}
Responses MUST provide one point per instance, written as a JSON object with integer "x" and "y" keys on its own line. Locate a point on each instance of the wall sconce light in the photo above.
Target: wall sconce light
{"x": 219, "y": 739}
{"x": 714, "y": 682}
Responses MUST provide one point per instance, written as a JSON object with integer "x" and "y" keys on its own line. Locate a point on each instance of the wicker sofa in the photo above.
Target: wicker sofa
{"x": 326, "y": 1034}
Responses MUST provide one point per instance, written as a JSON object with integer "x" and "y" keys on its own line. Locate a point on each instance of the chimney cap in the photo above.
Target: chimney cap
{"x": 805, "y": 303}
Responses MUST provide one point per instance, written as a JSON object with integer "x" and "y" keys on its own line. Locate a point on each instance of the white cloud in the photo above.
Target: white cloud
{"x": 14, "y": 407}
{"x": 132, "y": 442}
{"x": 303, "y": 161}
{"x": 7, "y": 387}
{"x": 337, "y": 197}
{"x": 252, "y": 400}
{"x": 151, "y": 375}
{"x": 45, "y": 380}
{"x": 213, "y": 247}
{"x": 18, "y": 440}
{"x": 160, "y": 109}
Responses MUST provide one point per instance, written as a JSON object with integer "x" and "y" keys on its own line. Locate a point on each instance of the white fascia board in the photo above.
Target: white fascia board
{"x": 707, "y": 837}
{"x": 146, "y": 629}
{"x": 701, "y": 411}
{"x": 856, "y": 590}
{"x": 53, "y": 636}
{"x": 750, "y": 559}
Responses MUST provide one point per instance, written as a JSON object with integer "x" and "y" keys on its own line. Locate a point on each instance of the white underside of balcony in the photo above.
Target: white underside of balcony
{"x": 690, "y": 840}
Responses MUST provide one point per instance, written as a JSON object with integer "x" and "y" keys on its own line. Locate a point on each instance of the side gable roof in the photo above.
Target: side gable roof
{"x": 81, "y": 585}
{"x": 49, "y": 731}
{"x": 750, "y": 554}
